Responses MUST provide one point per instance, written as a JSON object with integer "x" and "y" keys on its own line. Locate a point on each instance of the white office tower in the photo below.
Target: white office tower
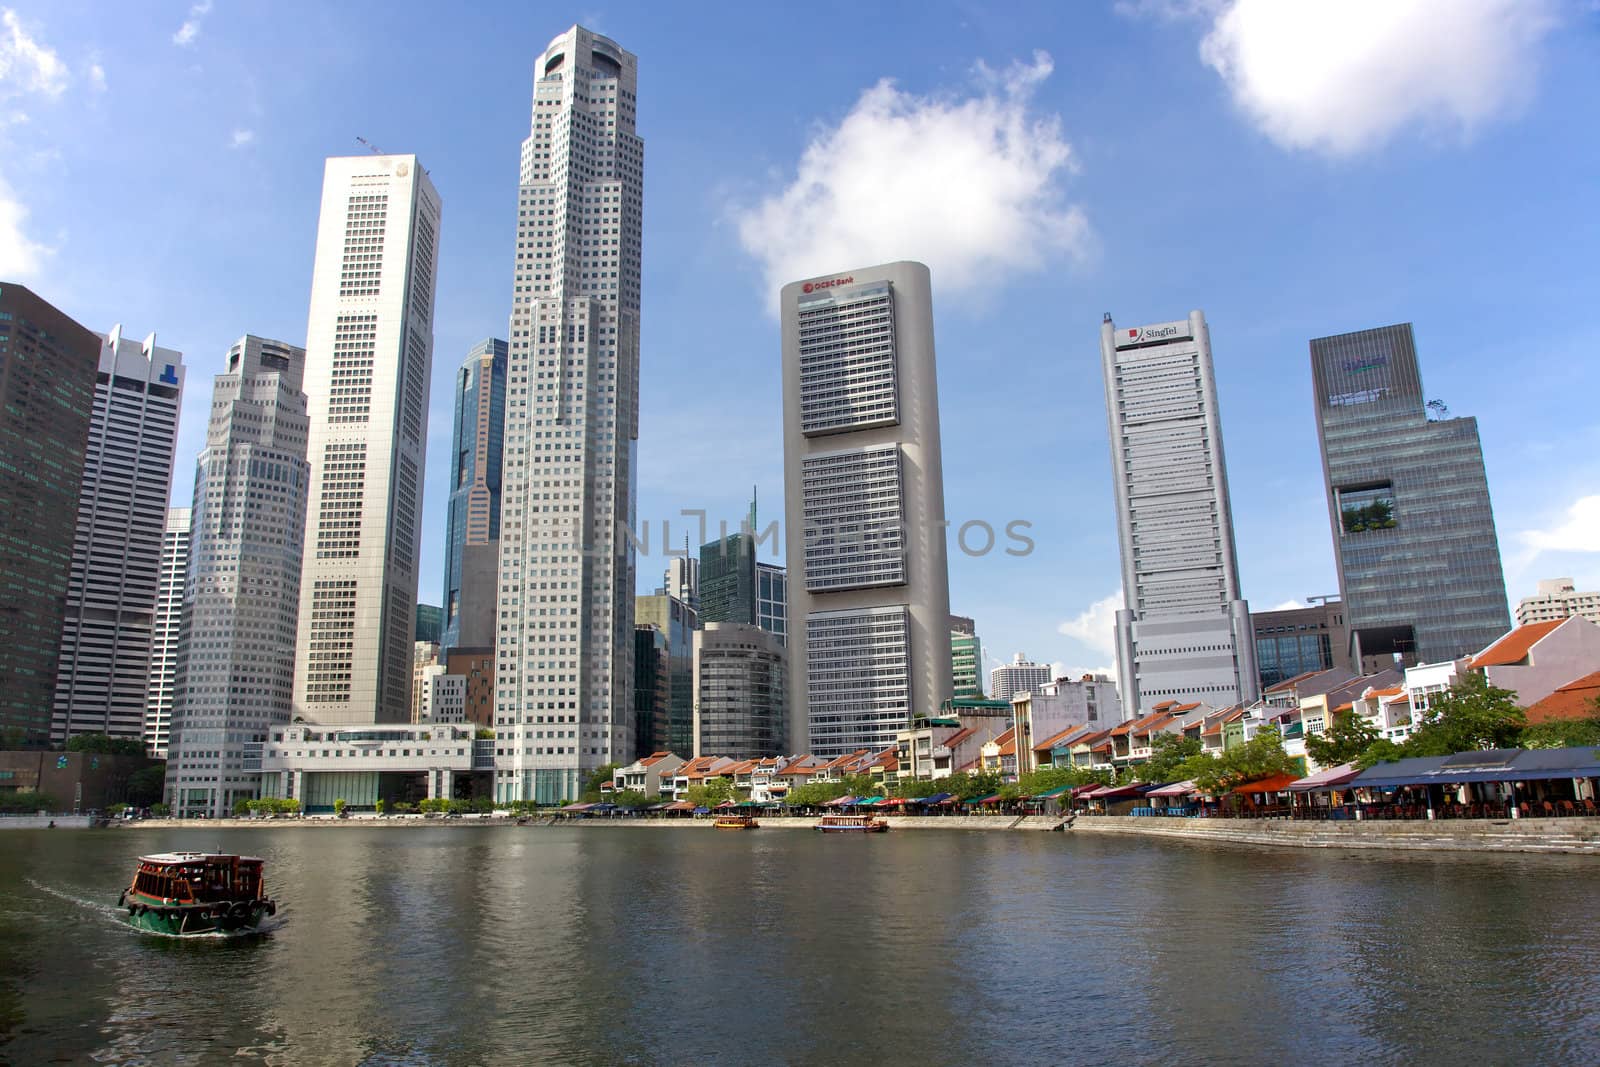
{"x": 1018, "y": 676}
{"x": 682, "y": 580}
{"x": 369, "y": 352}
{"x": 564, "y": 652}
{"x": 236, "y": 648}
{"x": 164, "y": 647}
{"x": 1184, "y": 632}
{"x": 869, "y": 593}
{"x": 103, "y": 675}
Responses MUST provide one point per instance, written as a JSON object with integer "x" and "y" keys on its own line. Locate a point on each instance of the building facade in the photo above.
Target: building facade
{"x": 241, "y": 609}
{"x": 1184, "y": 630}
{"x": 1295, "y": 641}
{"x": 1558, "y": 598}
{"x": 869, "y": 595}
{"x": 740, "y": 692}
{"x": 652, "y": 688}
{"x": 430, "y": 624}
{"x": 1018, "y": 676}
{"x": 48, "y": 364}
{"x": 169, "y": 619}
{"x": 682, "y": 579}
{"x": 476, "y": 665}
{"x": 424, "y": 656}
{"x": 1408, "y": 505}
{"x": 369, "y": 354}
{"x": 401, "y": 763}
{"x": 736, "y": 587}
{"x": 472, "y": 531}
{"x": 676, "y": 622}
{"x": 572, "y": 426}
{"x": 103, "y": 672}
{"x": 966, "y": 658}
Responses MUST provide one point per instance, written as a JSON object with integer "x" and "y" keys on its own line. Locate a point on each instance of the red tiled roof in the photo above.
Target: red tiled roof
{"x": 654, "y": 757}
{"x": 1575, "y": 700}
{"x": 1514, "y": 646}
{"x": 1391, "y": 691}
{"x": 959, "y": 736}
{"x": 1055, "y": 739}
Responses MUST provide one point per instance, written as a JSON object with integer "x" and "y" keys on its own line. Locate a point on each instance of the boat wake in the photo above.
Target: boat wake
{"x": 119, "y": 916}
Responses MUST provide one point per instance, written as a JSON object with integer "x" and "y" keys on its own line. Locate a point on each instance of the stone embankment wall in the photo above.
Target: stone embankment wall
{"x": 43, "y": 822}
{"x": 1576, "y": 835}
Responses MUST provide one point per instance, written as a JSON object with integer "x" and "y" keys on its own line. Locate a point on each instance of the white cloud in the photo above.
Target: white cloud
{"x": 1578, "y": 532}
{"x": 20, "y": 257}
{"x": 191, "y": 26}
{"x": 968, "y": 183}
{"x": 1344, "y": 76}
{"x": 1061, "y": 670}
{"x": 241, "y": 138}
{"x": 97, "y": 77}
{"x": 1096, "y": 626}
{"x": 26, "y": 66}
{"x": 1288, "y": 605}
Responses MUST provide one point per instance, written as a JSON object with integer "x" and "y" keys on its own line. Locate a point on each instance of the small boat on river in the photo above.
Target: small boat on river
{"x": 736, "y": 822}
{"x": 852, "y": 824}
{"x": 185, "y": 893}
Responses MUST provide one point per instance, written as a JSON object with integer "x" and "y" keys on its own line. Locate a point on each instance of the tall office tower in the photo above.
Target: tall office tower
{"x": 869, "y": 593}
{"x": 772, "y": 600}
{"x": 677, "y": 622}
{"x": 682, "y": 580}
{"x": 104, "y": 669}
{"x": 429, "y": 624}
{"x": 740, "y": 691}
{"x": 652, "y": 689}
{"x": 565, "y": 667}
{"x": 1408, "y": 503}
{"x": 236, "y": 647}
{"x": 1018, "y": 676}
{"x": 169, "y": 617}
{"x": 47, "y": 378}
{"x": 369, "y": 350}
{"x": 966, "y": 658}
{"x": 472, "y": 535}
{"x": 737, "y": 587}
{"x": 1184, "y": 631}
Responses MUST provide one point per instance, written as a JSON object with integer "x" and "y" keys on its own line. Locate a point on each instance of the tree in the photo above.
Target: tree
{"x": 912, "y": 788}
{"x": 601, "y": 777}
{"x": 712, "y": 792}
{"x": 1167, "y": 753}
{"x": 145, "y": 785}
{"x": 1259, "y": 757}
{"x": 105, "y": 745}
{"x": 967, "y": 785}
{"x": 26, "y": 801}
{"x": 338, "y": 807}
{"x": 161, "y": 811}
{"x": 1563, "y": 733}
{"x": 1347, "y": 738}
{"x": 381, "y": 806}
{"x": 1470, "y": 715}
{"x": 631, "y": 798}
{"x": 241, "y": 807}
{"x": 812, "y": 794}
{"x": 1382, "y": 750}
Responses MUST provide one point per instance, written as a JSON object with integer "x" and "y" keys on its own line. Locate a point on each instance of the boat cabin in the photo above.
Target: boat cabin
{"x": 193, "y": 877}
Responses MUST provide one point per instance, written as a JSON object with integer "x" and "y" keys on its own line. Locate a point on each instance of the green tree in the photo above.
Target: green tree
{"x": 105, "y": 745}
{"x": 912, "y": 788}
{"x": 712, "y": 792}
{"x": 1563, "y": 733}
{"x": 160, "y": 811}
{"x": 1259, "y": 757}
{"x": 1347, "y": 738}
{"x": 26, "y": 801}
{"x": 1168, "y": 752}
{"x": 631, "y": 798}
{"x": 381, "y": 806}
{"x": 601, "y": 777}
{"x": 812, "y": 794}
{"x": 1382, "y": 750}
{"x": 241, "y": 807}
{"x": 146, "y": 784}
{"x": 968, "y": 785}
{"x": 1470, "y": 715}
{"x": 338, "y": 807}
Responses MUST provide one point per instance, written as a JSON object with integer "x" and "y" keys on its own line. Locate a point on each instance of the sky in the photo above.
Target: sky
{"x": 1293, "y": 169}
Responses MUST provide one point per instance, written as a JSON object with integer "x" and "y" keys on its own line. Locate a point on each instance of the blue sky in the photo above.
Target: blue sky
{"x": 1293, "y": 169}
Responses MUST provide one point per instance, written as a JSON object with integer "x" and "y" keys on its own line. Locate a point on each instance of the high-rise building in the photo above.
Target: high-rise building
{"x": 369, "y": 352}
{"x": 966, "y": 658}
{"x": 236, "y": 646}
{"x": 869, "y": 593}
{"x": 476, "y": 665}
{"x": 1294, "y": 641}
{"x": 682, "y": 580}
{"x": 564, "y": 688}
{"x": 772, "y": 600}
{"x": 1184, "y": 630}
{"x": 47, "y": 391}
{"x": 1558, "y": 598}
{"x": 652, "y": 689}
{"x": 424, "y": 657}
{"x": 104, "y": 669}
{"x": 169, "y": 619}
{"x": 676, "y": 622}
{"x": 472, "y": 533}
{"x": 740, "y": 691}
{"x": 430, "y": 624}
{"x": 736, "y": 587}
{"x": 1019, "y": 676}
{"x": 1408, "y": 504}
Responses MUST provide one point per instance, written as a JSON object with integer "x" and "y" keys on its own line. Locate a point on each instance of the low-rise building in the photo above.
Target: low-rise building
{"x": 1056, "y": 705}
{"x": 361, "y": 765}
{"x": 647, "y": 775}
{"x": 1534, "y": 661}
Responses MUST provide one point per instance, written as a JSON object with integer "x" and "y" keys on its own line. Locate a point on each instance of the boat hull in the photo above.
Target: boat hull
{"x": 867, "y": 828}
{"x": 750, "y": 825}
{"x": 189, "y": 920}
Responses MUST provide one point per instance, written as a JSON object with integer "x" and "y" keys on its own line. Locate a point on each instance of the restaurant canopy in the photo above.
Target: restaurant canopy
{"x": 982, "y": 800}
{"x": 1490, "y": 765}
{"x": 937, "y": 798}
{"x": 1328, "y": 778}
{"x": 1176, "y": 789}
{"x": 1276, "y": 783}
{"x": 1057, "y": 791}
{"x": 839, "y": 802}
{"x": 1114, "y": 792}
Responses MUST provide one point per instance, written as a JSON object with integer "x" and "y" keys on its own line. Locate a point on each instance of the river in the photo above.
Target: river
{"x": 446, "y": 945}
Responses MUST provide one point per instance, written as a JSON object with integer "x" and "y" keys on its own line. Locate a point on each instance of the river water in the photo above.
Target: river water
{"x": 641, "y": 946}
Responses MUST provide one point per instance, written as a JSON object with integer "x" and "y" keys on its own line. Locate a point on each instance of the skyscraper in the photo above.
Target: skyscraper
{"x": 682, "y": 579}
{"x": 472, "y": 534}
{"x": 104, "y": 669}
{"x": 1184, "y": 631}
{"x": 869, "y": 594}
{"x": 677, "y": 623}
{"x": 739, "y": 692}
{"x": 735, "y": 586}
{"x": 369, "y": 351}
{"x": 169, "y": 617}
{"x": 47, "y": 391}
{"x": 236, "y": 646}
{"x": 564, "y": 683}
{"x": 966, "y": 658}
{"x": 1408, "y": 503}
{"x": 1018, "y": 676}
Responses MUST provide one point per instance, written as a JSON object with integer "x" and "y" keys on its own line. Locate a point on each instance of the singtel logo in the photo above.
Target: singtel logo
{"x": 1156, "y": 333}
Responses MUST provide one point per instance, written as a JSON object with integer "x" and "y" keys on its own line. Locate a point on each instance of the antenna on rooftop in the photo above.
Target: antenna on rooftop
{"x": 374, "y": 149}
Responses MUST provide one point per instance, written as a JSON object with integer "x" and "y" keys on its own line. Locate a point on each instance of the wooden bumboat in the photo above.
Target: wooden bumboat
{"x": 852, "y": 824}
{"x": 185, "y": 893}
{"x": 736, "y": 822}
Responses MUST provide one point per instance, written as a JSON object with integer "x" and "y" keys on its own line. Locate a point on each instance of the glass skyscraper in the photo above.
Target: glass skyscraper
{"x": 472, "y": 532}
{"x": 1408, "y": 502}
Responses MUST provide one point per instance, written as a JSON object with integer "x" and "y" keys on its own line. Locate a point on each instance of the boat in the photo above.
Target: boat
{"x": 852, "y": 824}
{"x": 736, "y": 822}
{"x": 187, "y": 893}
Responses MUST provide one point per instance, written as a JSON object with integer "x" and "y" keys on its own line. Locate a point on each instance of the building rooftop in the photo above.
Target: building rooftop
{"x": 1575, "y": 700}
{"x": 1514, "y": 647}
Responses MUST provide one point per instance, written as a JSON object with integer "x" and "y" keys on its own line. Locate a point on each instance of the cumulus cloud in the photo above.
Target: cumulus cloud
{"x": 1096, "y": 627}
{"x": 1579, "y": 531}
{"x": 241, "y": 138}
{"x": 1288, "y": 605}
{"x": 26, "y": 66}
{"x": 1344, "y": 76}
{"x": 1060, "y": 670}
{"x": 967, "y": 182}
{"x": 20, "y": 257}
{"x": 191, "y": 26}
